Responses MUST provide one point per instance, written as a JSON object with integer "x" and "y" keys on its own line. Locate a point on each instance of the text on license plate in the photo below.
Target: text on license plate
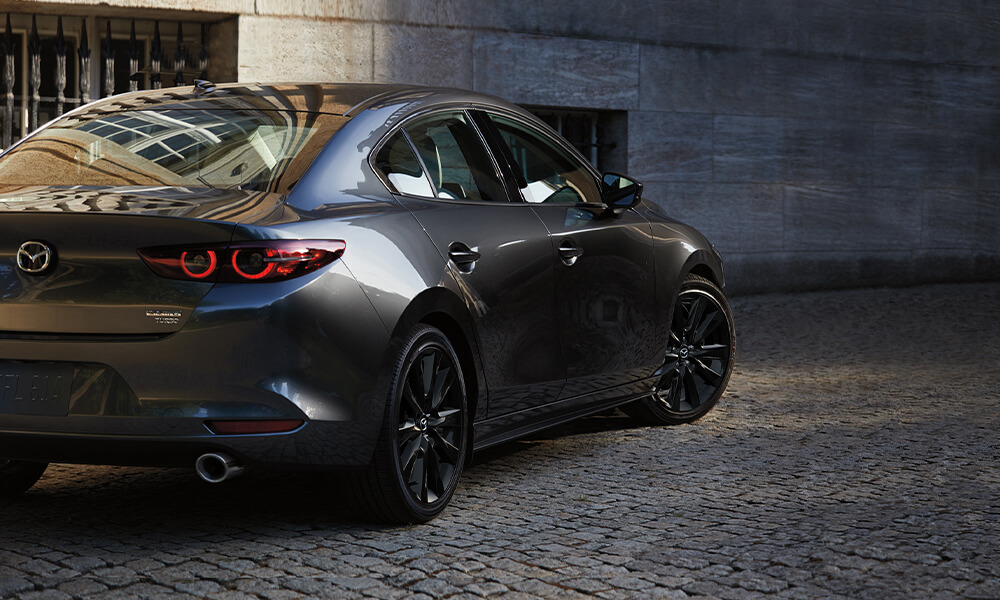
{"x": 35, "y": 388}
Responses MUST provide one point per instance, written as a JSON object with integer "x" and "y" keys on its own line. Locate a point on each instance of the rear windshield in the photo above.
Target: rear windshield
{"x": 263, "y": 150}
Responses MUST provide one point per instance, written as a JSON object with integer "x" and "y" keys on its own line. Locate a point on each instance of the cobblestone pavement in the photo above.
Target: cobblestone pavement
{"x": 855, "y": 456}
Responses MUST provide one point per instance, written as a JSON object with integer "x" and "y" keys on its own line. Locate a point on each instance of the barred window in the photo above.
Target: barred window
{"x": 601, "y": 136}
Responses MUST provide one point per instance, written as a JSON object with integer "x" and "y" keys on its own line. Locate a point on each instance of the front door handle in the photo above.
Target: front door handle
{"x": 464, "y": 257}
{"x": 569, "y": 252}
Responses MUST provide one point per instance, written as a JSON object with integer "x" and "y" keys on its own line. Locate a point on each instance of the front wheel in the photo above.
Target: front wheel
{"x": 17, "y": 476}
{"x": 425, "y": 433}
{"x": 698, "y": 359}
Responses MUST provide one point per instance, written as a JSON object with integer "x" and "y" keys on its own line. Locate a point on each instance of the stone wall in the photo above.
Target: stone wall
{"x": 818, "y": 144}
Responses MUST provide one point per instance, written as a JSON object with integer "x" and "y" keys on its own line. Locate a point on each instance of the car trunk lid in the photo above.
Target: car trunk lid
{"x": 95, "y": 282}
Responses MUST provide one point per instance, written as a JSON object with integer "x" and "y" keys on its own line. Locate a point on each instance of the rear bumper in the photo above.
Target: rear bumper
{"x": 310, "y": 348}
{"x": 314, "y": 445}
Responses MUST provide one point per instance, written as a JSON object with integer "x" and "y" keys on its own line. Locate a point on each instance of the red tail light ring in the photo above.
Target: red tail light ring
{"x": 259, "y": 261}
{"x": 199, "y": 265}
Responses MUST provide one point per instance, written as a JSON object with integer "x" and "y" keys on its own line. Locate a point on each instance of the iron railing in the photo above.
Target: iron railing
{"x": 51, "y": 70}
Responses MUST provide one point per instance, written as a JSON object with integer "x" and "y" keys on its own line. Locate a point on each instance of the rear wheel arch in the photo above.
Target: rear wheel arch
{"x": 444, "y": 310}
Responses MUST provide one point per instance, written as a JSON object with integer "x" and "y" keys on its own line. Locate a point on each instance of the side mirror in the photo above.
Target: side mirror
{"x": 620, "y": 192}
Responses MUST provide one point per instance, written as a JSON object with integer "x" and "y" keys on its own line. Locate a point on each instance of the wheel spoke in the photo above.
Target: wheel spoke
{"x": 706, "y": 327}
{"x": 694, "y": 314}
{"x": 443, "y": 380}
{"x": 445, "y": 416}
{"x": 669, "y": 371}
{"x": 445, "y": 472}
{"x": 668, "y": 387}
{"x": 712, "y": 351}
{"x": 707, "y": 373}
{"x": 691, "y": 390}
{"x": 418, "y": 477}
{"x": 427, "y": 368}
{"x": 408, "y": 456}
{"x": 446, "y": 447}
{"x": 433, "y": 486}
{"x": 411, "y": 399}
{"x": 674, "y": 392}
{"x": 406, "y": 434}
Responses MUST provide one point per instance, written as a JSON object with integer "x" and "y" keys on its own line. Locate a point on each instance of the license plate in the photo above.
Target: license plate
{"x": 35, "y": 388}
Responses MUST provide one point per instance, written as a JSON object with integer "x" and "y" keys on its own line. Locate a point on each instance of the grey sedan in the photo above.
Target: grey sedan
{"x": 371, "y": 278}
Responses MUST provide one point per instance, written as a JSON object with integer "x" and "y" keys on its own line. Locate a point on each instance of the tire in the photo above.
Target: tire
{"x": 17, "y": 476}
{"x": 425, "y": 434}
{"x": 699, "y": 357}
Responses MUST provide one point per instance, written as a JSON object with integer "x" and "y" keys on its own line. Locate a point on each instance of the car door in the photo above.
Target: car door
{"x": 498, "y": 252}
{"x": 603, "y": 264}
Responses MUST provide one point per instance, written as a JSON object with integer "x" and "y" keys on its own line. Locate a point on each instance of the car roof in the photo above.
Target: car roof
{"x": 345, "y": 99}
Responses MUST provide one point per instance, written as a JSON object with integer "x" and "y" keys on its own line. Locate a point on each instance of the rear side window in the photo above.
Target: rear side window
{"x": 402, "y": 169}
{"x": 454, "y": 158}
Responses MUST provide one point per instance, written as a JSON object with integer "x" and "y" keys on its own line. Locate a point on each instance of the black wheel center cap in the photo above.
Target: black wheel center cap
{"x": 683, "y": 352}
{"x": 422, "y": 424}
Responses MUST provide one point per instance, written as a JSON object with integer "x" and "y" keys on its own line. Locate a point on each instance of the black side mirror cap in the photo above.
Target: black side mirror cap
{"x": 619, "y": 192}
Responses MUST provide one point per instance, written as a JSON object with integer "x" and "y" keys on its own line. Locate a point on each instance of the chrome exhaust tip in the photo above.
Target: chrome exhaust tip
{"x": 217, "y": 467}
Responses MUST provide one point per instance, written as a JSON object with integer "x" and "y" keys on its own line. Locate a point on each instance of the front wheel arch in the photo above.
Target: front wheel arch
{"x": 699, "y": 357}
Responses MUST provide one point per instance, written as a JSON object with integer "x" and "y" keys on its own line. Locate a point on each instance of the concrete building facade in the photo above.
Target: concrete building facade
{"x": 818, "y": 144}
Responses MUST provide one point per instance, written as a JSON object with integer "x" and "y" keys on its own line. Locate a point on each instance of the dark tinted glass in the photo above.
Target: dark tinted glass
{"x": 402, "y": 169}
{"x": 550, "y": 173}
{"x": 458, "y": 163}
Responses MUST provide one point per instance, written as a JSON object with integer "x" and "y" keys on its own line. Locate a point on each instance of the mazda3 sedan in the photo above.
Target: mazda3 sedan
{"x": 370, "y": 278}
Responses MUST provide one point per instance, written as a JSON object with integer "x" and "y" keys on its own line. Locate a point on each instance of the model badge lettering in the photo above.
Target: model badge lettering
{"x": 165, "y": 317}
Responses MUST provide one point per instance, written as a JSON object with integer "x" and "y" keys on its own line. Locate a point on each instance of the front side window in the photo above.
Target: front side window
{"x": 546, "y": 172}
{"x": 223, "y": 148}
{"x": 455, "y": 159}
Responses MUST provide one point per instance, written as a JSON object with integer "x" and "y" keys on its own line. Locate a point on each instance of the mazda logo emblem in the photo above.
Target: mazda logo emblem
{"x": 34, "y": 257}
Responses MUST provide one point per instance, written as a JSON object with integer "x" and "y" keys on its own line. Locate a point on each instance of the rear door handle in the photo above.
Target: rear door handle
{"x": 464, "y": 257}
{"x": 569, "y": 252}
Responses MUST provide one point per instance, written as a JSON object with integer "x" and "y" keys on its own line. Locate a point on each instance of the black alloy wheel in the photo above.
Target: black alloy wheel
{"x": 425, "y": 434}
{"x": 698, "y": 359}
{"x": 17, "y": 476}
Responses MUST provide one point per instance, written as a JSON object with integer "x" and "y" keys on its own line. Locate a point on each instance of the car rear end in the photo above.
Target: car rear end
{"x": 141, "y": 320}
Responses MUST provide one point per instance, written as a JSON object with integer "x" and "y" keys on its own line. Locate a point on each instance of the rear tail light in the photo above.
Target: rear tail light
{"x": 265, "y": 260}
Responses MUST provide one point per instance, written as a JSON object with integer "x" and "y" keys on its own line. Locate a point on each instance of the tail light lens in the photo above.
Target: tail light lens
{"x": 265, "y": 260}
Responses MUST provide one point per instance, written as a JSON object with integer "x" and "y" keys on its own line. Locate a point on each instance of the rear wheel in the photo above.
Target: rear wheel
{"x": 698, "y": 359}
{"x": 425, "y": 433}
{"x": 17, "y": 476}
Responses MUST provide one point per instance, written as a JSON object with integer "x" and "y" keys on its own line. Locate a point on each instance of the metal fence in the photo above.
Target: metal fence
{"x": 50, "y": 72}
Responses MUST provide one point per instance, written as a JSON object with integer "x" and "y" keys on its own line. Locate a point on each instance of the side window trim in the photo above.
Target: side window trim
{"x": 420, "y": 160}
{"x": 512, "y": 177}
